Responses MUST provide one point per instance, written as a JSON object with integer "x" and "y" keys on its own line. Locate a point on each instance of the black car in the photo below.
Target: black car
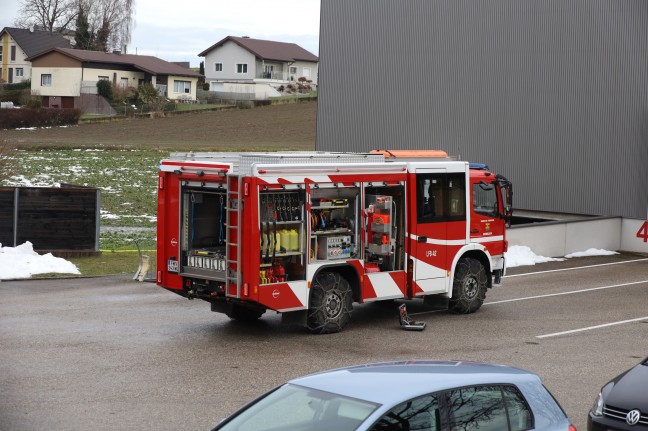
{"x": 623, "y": 402}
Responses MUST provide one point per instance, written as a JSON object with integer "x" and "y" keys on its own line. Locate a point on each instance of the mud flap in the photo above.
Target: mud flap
{"x": 497, "y": 278}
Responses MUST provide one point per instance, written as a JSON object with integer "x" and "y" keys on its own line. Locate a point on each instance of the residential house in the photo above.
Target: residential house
{"x": 239, "y": 64}
{"x": 17, "y": 44}
{"x": 62, "y": 76}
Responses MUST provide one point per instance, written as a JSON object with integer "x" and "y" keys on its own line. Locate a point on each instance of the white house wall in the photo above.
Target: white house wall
{"x": 306, "y": 69}
{"x": 171, "y": 94}
{"x": 19, "y": 63}
{"x": 229, "y": 55}
{"x": 66, "y": 81}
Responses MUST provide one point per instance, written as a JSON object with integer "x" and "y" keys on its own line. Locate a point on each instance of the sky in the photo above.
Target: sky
{"x": 178, "y": 31}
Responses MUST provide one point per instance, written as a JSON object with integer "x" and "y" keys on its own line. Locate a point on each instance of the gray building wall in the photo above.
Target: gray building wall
{"x": 550, "y": 93}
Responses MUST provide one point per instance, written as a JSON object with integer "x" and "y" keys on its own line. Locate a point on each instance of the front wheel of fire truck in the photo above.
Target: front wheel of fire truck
{"x": 469, "y": 286}
{"x": 331, "y": 302}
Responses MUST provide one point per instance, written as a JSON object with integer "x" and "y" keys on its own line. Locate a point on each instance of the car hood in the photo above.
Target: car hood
{"x": 629, "y": 390}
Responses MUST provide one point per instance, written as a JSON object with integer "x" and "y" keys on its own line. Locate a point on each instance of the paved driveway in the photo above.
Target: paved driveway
{"x": 112, "y": 354}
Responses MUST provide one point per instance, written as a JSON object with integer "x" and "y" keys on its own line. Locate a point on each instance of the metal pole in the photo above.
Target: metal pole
{"x": 15, "y": 218}
{"x": 97, "y": 219}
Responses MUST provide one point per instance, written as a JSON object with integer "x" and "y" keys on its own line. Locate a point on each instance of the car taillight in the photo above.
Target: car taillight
{"x": 572, "y": 428}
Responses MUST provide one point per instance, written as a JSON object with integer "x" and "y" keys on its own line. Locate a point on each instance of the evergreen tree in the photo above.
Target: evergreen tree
{"x": 82, "y": 36}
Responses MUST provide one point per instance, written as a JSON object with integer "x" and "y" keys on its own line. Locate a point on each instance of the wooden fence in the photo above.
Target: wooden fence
{"x": 62, "y": 220}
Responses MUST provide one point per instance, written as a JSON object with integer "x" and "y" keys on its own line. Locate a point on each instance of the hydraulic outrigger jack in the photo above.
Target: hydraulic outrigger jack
{"x": 407, "y": 323}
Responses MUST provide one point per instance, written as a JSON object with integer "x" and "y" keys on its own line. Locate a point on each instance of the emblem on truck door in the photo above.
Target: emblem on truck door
{"x": 174, "y": 242}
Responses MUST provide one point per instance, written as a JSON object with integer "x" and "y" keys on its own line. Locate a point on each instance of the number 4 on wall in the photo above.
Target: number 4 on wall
{"x": 643, "y": 232}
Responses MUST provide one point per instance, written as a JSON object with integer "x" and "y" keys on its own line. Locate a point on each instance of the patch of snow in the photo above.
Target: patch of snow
{"x": 23, "y": 262}
{"x": 591, "y": 252}
{"x": 520, "y": 255}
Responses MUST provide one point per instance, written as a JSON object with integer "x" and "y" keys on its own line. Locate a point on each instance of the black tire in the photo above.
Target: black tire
{"x": 244, "y": 314}
{"x": 469, "y": 286}
{"x": 331, "y": 303}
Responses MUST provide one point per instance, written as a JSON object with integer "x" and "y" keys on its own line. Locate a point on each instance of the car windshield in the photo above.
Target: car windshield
{"x": 296, "y": 408}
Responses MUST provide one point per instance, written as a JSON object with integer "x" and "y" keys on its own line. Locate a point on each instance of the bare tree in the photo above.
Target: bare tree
{"x": 100, "y": 24}
{"x": 50, "y": 15}
{"x": 111, "y": 22}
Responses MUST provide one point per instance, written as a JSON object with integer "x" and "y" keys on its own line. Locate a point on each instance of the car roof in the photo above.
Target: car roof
{"x": 392, "y": 382}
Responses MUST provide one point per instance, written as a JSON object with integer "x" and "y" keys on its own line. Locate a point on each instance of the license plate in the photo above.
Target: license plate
{"x": 172, "y": 266}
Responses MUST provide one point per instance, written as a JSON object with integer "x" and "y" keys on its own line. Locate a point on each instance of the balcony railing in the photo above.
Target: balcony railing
{"x": 271, "y": 75}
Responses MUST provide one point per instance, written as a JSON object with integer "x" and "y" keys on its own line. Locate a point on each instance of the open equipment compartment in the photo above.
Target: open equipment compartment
{"x": 203, "y": 236}
{"x": 334, "y": 223}
{"x": 282, "y": 233}
{"x": 385, "y": 229}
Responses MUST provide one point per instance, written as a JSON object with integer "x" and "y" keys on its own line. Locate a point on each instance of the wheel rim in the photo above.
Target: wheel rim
{"x": 471, "y": 287}
{"x": 333, "y": 305}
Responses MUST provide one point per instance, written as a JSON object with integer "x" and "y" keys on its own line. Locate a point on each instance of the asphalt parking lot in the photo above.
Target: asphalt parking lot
{"x": 113, "y": 354}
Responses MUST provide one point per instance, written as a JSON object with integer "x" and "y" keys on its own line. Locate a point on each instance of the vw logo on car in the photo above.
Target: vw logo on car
{"x": 632, "y": 418}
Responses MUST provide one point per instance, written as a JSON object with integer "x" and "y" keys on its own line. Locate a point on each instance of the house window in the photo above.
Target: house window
{"x": 104, "y": 78}
{"x": 46, "y": 80}
{"x": 306, "y": 72}
{"x": 218, "y": 67}
{"x": 241, "y": 68}
{"x": 19, "y": 72}
{"x": 13, "y": 53}
{"x": 123, "y": 82}
{"x": 0, "y": 54}
{"x": 293, "y": 70}
{"x": 182, "y": 86}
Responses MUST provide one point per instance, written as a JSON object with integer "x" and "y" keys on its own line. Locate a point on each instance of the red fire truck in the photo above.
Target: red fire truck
{"x": 307, "y": 234}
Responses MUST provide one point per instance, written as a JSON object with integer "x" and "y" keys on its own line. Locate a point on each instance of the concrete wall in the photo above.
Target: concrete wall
{"x": 556, "y": 239}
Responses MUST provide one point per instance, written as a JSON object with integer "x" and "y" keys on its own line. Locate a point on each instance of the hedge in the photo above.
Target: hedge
{"x": 19, "y": 118}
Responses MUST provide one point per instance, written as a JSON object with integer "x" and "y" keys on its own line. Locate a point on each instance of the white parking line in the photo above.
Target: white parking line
{"x": 556, "y": 334}
{"x": 571, "y": 292}
{"x": 574, "y": 268}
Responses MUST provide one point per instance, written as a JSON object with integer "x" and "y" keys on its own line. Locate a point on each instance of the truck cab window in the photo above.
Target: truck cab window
{"x": 440, "y": 197}
{"x": 485, "y": 199}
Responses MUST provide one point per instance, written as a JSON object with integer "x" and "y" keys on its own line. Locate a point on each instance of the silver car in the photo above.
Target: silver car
{"x": 406, "y": 396}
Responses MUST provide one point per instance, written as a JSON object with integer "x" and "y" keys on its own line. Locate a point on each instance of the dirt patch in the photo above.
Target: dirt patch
{"x": 277, "y": 127}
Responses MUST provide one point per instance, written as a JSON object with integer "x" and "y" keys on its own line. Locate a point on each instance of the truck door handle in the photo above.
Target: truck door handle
{"x": 422, "y": 239}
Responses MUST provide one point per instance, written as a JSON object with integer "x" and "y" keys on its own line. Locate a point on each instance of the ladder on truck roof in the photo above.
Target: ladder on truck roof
{"x": 233, "y": 239}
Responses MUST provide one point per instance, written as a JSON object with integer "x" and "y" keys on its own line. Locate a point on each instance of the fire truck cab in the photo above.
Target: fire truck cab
{"x": 307, "y": 234}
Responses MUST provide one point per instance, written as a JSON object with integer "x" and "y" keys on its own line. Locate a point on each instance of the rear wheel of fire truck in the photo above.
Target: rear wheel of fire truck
{"x": 243, "y": 314}
{"x": 469, "y": 286}
{"x": 331, "y": 302}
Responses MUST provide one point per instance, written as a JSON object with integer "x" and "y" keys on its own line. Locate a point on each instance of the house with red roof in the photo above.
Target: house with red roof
{"x": 61, "y": 75}
{"x": 17, "y": 44}
{"x": 238, "y": 64}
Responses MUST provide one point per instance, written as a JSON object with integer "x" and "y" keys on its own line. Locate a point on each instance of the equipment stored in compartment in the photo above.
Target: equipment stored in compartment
{"x": 334, "y": 247}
